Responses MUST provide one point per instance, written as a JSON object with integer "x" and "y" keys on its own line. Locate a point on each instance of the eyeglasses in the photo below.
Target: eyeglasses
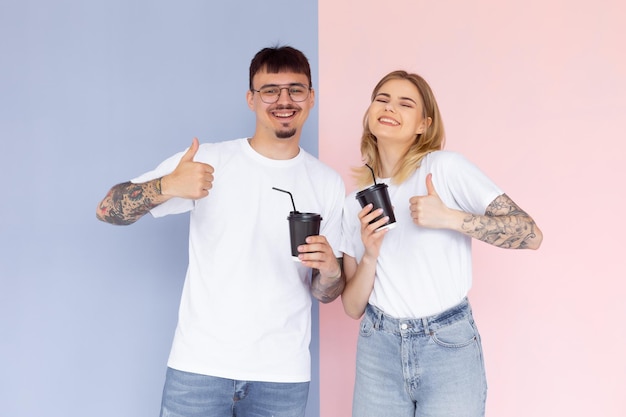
{"x": 271, "y": 93}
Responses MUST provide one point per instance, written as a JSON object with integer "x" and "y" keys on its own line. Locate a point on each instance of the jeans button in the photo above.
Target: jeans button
{"x": 404, "y": 326}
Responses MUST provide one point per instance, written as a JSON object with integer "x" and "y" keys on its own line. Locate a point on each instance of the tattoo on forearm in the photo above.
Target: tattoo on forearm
{"x": 326, "y": 293}
{"x": 504, "y": 225}
{"x": 127, "y": 202}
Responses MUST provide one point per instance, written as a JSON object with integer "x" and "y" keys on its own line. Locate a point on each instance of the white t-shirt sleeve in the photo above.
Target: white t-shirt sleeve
{"x": 461, "y": 180}
{"x": 332, "y": 227}
{"x": 348, "y": 225}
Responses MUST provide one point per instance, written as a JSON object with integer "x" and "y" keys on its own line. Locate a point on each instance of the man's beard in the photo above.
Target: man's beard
{"x": 285, "y": 134}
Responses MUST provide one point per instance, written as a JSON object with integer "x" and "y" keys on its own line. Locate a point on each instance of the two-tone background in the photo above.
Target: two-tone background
{"x": 95, "y": 92}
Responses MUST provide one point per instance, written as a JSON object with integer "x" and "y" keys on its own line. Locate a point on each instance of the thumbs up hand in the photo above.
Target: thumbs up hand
{"x": 190, "y": 179}
{"x": 428, "y": 210}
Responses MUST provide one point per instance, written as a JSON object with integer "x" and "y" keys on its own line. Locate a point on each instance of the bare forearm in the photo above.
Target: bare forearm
{"x": 359, "y": 285}
{"x": 327, "y": 289}
{"x": 127, "y": 202}
{"x": 504, "y": 225}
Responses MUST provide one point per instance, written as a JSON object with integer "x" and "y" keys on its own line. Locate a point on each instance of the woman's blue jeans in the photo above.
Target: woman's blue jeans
{"x": 192, "y": 395}
{"x": 428, "y": 367}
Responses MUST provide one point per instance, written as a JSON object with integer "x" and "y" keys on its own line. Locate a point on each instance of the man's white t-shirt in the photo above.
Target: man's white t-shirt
{"x": 245, "y": 309}
{"x": 420, "y": 271}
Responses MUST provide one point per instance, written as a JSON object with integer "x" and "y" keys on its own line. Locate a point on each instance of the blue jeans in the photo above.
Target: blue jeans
{"x": 428, "y": 367}
{"x": 192, "y": 395}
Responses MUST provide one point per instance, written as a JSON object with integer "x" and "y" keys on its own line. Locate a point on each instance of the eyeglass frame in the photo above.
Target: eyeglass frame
{"x": 282, "y": 87}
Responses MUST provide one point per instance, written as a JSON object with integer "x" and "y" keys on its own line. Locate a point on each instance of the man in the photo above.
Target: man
{"x": 241, "y": 345}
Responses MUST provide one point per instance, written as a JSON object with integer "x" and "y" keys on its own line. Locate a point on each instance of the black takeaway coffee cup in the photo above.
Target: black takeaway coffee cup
{"x": 302, "y": 225}
{"x": 378, "y": 196}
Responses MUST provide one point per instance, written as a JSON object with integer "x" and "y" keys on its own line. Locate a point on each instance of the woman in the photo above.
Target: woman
{"x": 419, "y": 352}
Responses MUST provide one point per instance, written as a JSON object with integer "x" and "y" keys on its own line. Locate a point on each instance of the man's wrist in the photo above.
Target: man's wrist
{"x": 335, "y": 276}
{"x": 158, "y": 186}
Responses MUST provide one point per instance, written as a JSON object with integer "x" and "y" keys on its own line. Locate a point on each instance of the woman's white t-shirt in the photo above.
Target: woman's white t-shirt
{"x": 420, "y": 271}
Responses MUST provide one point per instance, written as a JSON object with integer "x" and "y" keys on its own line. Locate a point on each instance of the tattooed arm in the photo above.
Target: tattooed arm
{"x": 504, "y": 224}
{"x": 326, "y": 289}
{"x": 125, "y": 203}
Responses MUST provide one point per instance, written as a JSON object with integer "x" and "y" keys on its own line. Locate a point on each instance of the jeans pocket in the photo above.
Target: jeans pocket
{"x": 456, "y": 335}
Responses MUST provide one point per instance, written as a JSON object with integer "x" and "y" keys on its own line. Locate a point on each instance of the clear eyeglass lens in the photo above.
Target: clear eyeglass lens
{"x": 297, "y": 92}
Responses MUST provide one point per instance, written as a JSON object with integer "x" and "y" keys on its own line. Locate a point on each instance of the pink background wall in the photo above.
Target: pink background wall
{"x": 533, "y": 92}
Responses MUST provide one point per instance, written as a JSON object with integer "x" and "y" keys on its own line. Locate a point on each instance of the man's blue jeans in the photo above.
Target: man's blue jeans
{"x": 430, "y": 367}
{"x": 191, "y": 395}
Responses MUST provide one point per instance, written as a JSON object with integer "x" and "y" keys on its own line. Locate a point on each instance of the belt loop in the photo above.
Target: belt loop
{"x": 425, "y": 325}
{"x": 379, "y": 319}
{"x": 375, "y": 316}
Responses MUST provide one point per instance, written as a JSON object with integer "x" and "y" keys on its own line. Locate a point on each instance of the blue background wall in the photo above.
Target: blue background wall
{"x": 93, "y": 93}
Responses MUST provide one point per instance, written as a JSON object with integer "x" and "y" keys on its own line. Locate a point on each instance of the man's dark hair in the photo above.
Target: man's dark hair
{"x": 280, "y": 59}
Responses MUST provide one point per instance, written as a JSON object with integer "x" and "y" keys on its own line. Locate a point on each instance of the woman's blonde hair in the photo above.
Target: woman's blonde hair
{"x": 431, "y": 139}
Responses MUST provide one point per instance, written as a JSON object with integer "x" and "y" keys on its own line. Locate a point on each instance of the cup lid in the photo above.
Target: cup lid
{"x": 371, "y": 188}
{"x": 304, "y": 216}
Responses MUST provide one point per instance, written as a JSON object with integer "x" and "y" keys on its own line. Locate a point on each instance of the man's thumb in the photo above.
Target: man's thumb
{"x": 191, "y": 152}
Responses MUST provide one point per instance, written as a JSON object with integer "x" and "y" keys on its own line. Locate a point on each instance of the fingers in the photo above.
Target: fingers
{"x": 191, "y": 152}
{"x": 430, "y": 188}
{"x": 316, "y": 252}
{"x": 429, "y": 210}
{"x": 367, "y": 216}
{"x": 416, "y": 202}
{"x": 316, "y": 243}
{"x": 190, "y": 179}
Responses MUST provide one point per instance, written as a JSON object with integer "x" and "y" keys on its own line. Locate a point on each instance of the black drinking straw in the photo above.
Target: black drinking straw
{"x": 292, "y": 203}
{"x": 373, "y": 176}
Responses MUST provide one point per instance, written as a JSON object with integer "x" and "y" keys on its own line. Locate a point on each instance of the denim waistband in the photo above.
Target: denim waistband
{"x": 425, "y": 325}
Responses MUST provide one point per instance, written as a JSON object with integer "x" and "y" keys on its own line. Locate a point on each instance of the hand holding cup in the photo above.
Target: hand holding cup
{"x": 378, "y": 196}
